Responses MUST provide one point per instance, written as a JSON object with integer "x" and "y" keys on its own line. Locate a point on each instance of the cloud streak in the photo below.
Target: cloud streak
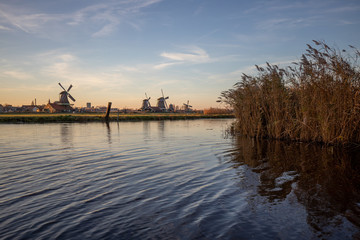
{"x": 13, "y": 17}
{"x": 165, "y": 65}
{"x": 288, "y": 23}
{"x": 105, "y": 17}
{"x": 194, "y": 55}
{"x": 17, "y": 75}
{"x": 284, "y": 15}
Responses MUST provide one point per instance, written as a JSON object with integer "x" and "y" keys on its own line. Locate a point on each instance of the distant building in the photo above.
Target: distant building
{"x": 29, "y": 108}
{"x": 88, "y": 105}
{"x": 9, "y": 108}
{"x": 101, "y": 109}
{"x": 1, "y": 108}
{"x": 156, "y": 109}
{"x": 55, "y": 108}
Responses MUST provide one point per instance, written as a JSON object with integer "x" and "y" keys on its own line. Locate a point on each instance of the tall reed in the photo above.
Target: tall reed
{"x": 316, "y": 99}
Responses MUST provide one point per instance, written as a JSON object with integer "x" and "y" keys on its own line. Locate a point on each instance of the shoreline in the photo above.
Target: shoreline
{"x": 88, "y": 117}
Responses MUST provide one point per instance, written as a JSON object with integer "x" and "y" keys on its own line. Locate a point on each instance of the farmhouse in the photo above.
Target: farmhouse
{"x": 55, "y": 108}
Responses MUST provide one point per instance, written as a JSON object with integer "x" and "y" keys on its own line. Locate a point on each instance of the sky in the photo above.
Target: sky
{"x": 116, "y": 51}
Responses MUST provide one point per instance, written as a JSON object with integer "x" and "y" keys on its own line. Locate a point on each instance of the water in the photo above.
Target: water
{"x": 171, "y": 180}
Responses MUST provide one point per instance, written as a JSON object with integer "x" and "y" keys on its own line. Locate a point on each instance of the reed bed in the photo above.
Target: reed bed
{"x": 316, "y": 99}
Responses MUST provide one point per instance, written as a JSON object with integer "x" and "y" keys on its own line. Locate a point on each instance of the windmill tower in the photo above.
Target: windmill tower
{"x": 146, "y": 106}
{"x": 171, "y": 108}
{"x": 187, "y": 107}
{"x": 63, "y": 96}
{"x": 161, "y": 102}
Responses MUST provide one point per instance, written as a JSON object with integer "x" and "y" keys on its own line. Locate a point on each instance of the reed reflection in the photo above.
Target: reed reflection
{"x": 325, "y": 180}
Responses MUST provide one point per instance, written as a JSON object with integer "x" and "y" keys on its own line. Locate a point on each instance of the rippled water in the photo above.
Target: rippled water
{"x": 170, "y": 180}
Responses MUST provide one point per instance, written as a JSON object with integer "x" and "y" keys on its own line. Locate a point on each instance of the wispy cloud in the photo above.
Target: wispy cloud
{"x": 343, "y": 9}
{"x": 110, "y": 15}
{"x": 345, "y": 22}
{"x": 282, "y": 15}
{"x": 274, "y": 6}
{"x": 165, "y": 65}
{"x": 58, "y": 64}
{"x": 192, "y": 54}
{"x": 123, "y": 68}
{"x": 16, "y": 18}
{"x": 4, "y": 28}
{"x": 17, "y": 74}
{"x": 69, "y": 68}
{"x": 287, "y": 23}
{"x": 105, "y": 17}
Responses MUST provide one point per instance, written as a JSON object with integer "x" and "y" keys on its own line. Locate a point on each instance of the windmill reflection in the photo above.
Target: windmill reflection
{"x": 146, "y": 130}
{"x": 66, "y": 134}
{"x": 325, "y": 180}
{"x": 161, "y": 129}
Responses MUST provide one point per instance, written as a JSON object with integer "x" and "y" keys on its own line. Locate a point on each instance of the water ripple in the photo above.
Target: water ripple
{"x": 153, "y": 180}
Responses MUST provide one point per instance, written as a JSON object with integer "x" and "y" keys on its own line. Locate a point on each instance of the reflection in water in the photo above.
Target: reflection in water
{"x": 161, "y": 129}
{"x": 66, "y": 134}
{"x": 324, "y": 180}
{"x": 108, "y": 132}
{"x": 171, "y": 180}
{"x": 146, "y": 130}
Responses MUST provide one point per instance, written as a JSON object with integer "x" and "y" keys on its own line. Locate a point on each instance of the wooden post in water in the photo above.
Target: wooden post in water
{"x": 108, "y": 111}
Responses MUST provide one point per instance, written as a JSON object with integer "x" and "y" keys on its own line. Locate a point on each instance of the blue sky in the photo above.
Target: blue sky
{"x": 192, "y": 49}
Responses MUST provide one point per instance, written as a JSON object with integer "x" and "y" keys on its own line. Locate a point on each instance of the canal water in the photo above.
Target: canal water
{"x": 171, "y": 180}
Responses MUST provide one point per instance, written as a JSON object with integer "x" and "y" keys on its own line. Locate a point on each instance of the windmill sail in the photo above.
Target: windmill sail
{"x": 62, "y": 87}
{"x": 63, "y": 98}
{"x": 187, "y": 107}
{"x": 71, "y": 97}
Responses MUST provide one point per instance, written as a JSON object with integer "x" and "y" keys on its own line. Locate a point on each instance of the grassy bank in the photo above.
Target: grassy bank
{"x": 317, "y": 99}
{"x": 84, "y": 117}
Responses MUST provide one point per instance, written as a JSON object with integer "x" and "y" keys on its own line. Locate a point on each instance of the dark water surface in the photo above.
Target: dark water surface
{"x": 171, "y": 180}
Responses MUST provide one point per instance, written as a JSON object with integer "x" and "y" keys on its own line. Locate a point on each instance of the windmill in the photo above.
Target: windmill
{"x": 146, "y": 106}
{"x": 162, "y": 102}
{"x": 63, "y": 96}
{"x": 187, "y": 107}
{"x": 171, "y": 108}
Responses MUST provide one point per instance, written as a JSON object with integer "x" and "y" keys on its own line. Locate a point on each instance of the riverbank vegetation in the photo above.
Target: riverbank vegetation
{"x": 316, "y": 99}
{"x": 211, "y": 110}
{"x": 88, "y": 117}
